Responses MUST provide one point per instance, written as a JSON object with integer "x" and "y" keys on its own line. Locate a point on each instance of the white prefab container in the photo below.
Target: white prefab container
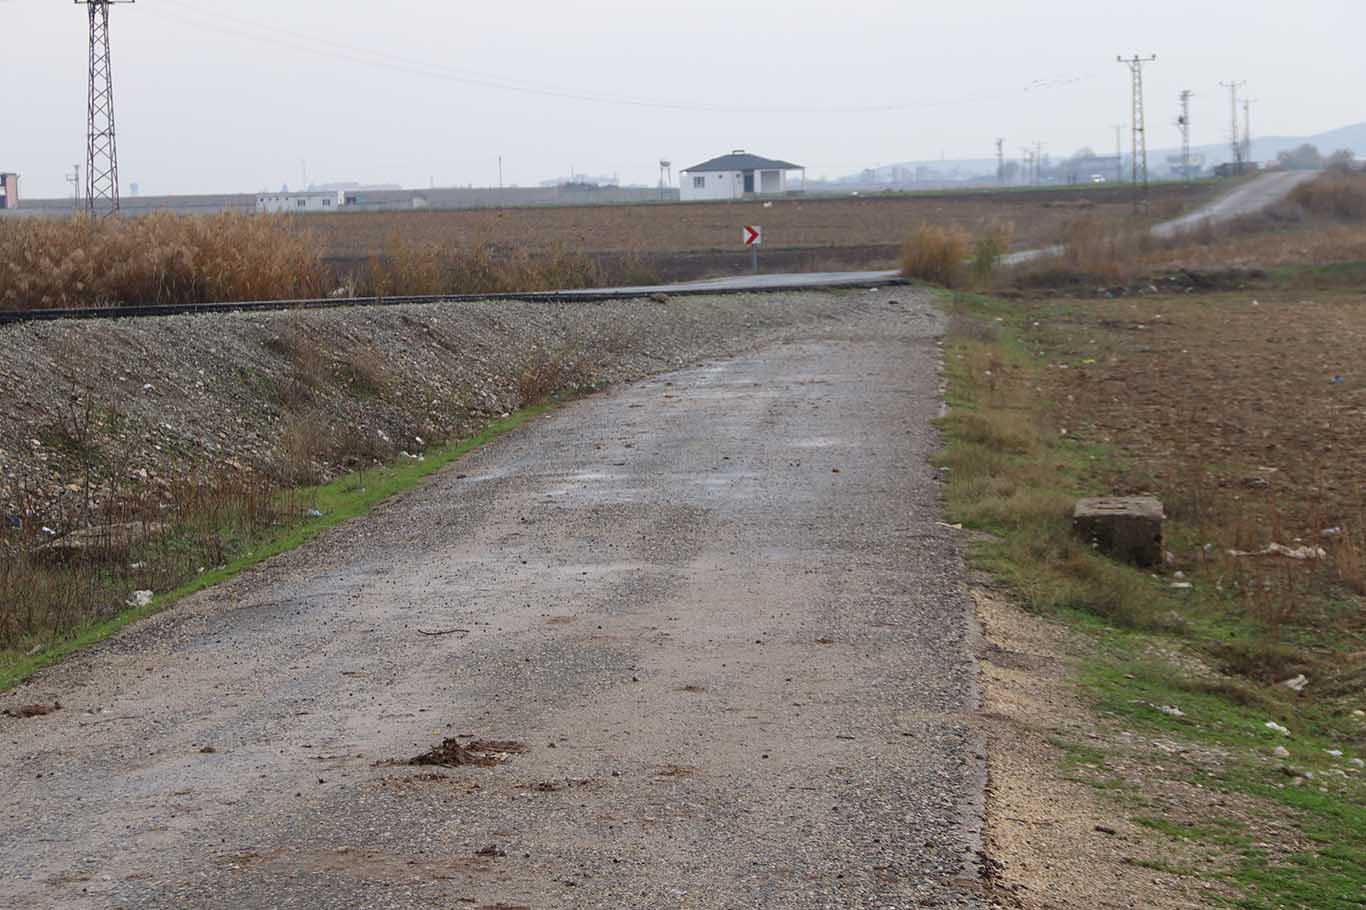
{"x": 735, "y": 176}
{"x": 322, "y": 201}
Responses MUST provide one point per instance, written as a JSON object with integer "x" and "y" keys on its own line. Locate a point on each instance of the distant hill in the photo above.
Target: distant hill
{"x": 1264, "y": 148}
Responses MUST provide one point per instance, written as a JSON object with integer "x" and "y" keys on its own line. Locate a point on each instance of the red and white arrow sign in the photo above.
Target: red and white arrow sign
{"x": 753, "y": 235}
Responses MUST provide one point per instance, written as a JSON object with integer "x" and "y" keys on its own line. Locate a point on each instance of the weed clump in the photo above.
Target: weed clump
{"x": 936, "y": 254}
{"x": 990, "y": 246}
{"x": 156, "y": 259}
{"x": 1338, "y": 195}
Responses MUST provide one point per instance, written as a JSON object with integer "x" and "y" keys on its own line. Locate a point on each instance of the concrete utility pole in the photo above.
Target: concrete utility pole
{"x": 1247, "y": 130}
{"x": 1038, "y": 163}
{"x": 1001, "y": 161}
{"x": 101, "y": 154}
{"x": 1234, "y": 141}
{"x": 74, "y": 178}
{"x": 1184, "y": 121}
{"x": 1139, "y": 131}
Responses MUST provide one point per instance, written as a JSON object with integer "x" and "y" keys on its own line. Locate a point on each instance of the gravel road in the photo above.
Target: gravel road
{"x": 716, "y": 608}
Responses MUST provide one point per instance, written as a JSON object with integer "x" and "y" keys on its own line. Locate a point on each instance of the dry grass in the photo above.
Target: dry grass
{"x": 1322, "y": 223}
{"x": 363, "y": 371}
{"x": 157, "y": 259}
{"x": 549, "y": 374}
{"x": 1335, "y": 195}
{"x": 56, "y": 576}
{"x": 168, "y": 259}
{"x": 425, "y": 267}
{"x": 936, "y": 254}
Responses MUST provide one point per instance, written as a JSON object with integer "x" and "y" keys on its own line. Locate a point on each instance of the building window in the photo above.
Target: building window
{"x": 303, "y": 203}
{"x": 699, "y": 183}
{"x": 327, "y": 203}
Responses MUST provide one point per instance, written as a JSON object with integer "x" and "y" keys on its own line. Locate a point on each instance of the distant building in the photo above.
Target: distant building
{"x": 1086, "y": 168}
{"x": 9, "y": 191}
{"x": 736, "y": 176}
{"x": 1235, "y": 168}
{"x": 312, "y": 201}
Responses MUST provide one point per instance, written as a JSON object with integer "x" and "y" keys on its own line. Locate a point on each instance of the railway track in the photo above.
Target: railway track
{"x": 747, "y": 286}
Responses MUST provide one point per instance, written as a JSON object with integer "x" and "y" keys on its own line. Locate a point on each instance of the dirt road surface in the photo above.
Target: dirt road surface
{"x": 716, "y": 609}
{"x": 1252, "y": 197}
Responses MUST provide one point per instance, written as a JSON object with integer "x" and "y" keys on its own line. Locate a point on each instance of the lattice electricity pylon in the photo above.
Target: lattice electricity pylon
{"x": 1139, "y": 131}
{"x": 101, "y": 154}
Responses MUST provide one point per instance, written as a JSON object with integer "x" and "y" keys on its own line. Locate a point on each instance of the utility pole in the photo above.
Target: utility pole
{"x": 666, "y": 178}
{"x": 1184, "y": 121}
{"x": 1247, "y": 131}
{"x": 1234, "y": 141}
{"x": 1139, "y": 131}
{"x": 101, "y": 154}
{"x": 74, "y": 178}
{"x": 1038, "y": 163}
{"x": 1000, "y": 162}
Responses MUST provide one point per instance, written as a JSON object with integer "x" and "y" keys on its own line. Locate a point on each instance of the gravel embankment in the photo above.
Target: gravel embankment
{"x": 174, "y": 394}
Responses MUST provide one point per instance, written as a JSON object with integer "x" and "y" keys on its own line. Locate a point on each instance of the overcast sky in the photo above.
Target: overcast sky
{"x": 407, "y": 92}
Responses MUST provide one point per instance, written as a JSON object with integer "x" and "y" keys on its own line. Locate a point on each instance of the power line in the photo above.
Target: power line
{"x": 225, "y": 24}
{"x": 1139, "y": 130}
{"x": 101, "y": 148}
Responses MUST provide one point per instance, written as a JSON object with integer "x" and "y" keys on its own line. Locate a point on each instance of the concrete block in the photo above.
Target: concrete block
{"x": 1126, "y": 528}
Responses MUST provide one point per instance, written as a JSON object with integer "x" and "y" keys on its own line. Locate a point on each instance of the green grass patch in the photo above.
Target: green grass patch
{"x": 339, "y": 501}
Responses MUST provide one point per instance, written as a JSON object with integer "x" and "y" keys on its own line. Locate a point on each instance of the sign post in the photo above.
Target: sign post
{"x": 753, "y": 236}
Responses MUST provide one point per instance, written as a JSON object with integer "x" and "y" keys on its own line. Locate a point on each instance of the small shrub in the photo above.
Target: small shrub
{"x": 1262, "y": 659}
{"x": 307, "y": 369}
{"x": 993, "y": 243}
{"x": 936, "y": 254}
{"x": 1098, "y": 248}
{"x": 303, "y": 444}
{"x": 546, "y": 375}
{"x": 362, "y": 369}
{"x": 1337, "y": 195}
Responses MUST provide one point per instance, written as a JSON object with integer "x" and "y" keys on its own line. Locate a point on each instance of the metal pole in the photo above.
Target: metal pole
{"x": 102, "y": 159}
{"x": 1139, "y": 132}
{"x": 1234, "y": 140}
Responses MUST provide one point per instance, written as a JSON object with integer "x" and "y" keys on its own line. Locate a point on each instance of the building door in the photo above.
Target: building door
{"x": 749, "y": 181}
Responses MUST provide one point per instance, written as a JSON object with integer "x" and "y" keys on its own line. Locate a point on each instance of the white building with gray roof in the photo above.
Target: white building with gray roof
{"x": 736, "y": 176}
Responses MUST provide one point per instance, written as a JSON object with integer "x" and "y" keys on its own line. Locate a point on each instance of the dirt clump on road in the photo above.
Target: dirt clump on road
{"x": 484, "y": 753}
{"x": 25, "y": 712}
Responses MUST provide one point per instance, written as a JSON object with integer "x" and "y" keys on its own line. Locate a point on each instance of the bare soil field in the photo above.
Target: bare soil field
{"x": 1256, "y": 399}
{"x": 1039, "y": 217}
{"x": 1188, "y": 734}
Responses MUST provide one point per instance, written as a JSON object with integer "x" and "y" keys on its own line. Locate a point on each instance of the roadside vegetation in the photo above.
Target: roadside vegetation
{"x": 165, "y": 259}
{"x": 75, "y": 569}
{"x": 1228, "y": 685}
{"x": 1323, "y": 222}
